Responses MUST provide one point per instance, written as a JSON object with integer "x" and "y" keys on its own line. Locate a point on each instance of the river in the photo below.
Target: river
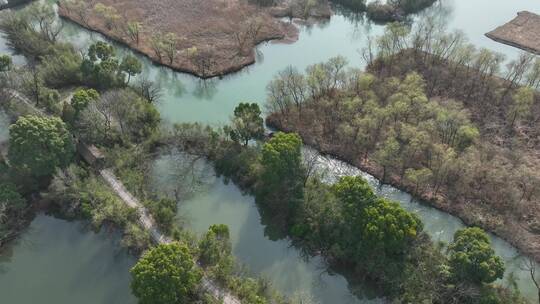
{"x": 187, "y": 99}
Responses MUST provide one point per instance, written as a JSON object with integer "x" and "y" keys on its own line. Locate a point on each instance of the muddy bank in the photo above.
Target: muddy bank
{"x": 511, "y": 231}
{"x": 202, "y": 38}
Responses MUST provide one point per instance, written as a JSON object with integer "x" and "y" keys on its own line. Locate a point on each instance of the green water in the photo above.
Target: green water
{"x": 61, "y": 262}
{"x": 76, "y": 272}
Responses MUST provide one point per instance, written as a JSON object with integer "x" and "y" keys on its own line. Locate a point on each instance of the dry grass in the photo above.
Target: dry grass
{"x": 224, "y": 32}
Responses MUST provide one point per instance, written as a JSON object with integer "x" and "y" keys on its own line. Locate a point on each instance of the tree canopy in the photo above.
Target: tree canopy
{"x": 10, "y": 198}
{"x": 472, "y": 258}
{"x": 247, "y": 123}
{"x": 282, "y": 172}
{"x": 38, "y": 145}
{"x": 165, "y": 274}
{"x": 82, "y": 98}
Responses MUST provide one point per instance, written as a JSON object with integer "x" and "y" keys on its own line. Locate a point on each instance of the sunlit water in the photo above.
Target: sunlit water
{"x": 188, "y": 99}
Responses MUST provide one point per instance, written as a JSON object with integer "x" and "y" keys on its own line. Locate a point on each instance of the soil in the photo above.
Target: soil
{"x": 214, "y": 37}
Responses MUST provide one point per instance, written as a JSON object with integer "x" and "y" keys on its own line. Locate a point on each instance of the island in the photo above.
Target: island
{"x": 203, "y": 38}
{"x": 522, "y": 32}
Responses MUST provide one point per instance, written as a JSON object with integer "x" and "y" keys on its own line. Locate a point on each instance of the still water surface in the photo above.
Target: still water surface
{"x": 58, "y": 262}
{"x": 188, "y": 99}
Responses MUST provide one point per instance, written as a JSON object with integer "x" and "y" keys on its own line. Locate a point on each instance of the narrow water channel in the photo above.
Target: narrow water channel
{"x": 84, "y": 266}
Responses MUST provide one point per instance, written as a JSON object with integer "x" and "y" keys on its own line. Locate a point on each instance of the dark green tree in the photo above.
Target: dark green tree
{"x": 164, "y": 211}
{"x": 38, "y": 145}
{"x": 215, "y": 252}
{"x": 10, "y": 199}
{"x": 281, "y": 183}
{"x": 472, "y": 259}
{"x": 101, "y": 68}
{"x": 389, "y": 228}
{"x": 247, "y": 123}
{"x": 354, "y": 193}
{"x": 82, "y": 98}
{"x": 101, "y": 51}
{"x": 165, "y": 274}
{"x": 131, "y": 66}
{"x": 5, "y": 63}
{"x": 215, "y": 245}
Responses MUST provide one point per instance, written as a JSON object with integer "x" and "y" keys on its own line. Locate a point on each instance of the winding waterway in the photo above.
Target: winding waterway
{"x": 91, "y": 266}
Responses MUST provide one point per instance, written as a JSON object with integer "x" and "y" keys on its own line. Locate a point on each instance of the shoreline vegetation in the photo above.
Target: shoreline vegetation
{"x": 213, "y": 46}
{"x": 344, "y": 222}
{"x": 202, "y": 38}
{"x": 375, "y": 239}
{"x": 430, "y": 117}
{"x": 63, "y": 96}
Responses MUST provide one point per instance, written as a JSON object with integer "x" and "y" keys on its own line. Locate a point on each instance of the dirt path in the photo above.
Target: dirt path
{"x": 145, "y": 218}
{"x": 147, "y": 222}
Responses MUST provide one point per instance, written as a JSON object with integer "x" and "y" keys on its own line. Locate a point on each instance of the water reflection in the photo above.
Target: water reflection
{"x": 274, "y": 258}
{"x": 59, "y": 262}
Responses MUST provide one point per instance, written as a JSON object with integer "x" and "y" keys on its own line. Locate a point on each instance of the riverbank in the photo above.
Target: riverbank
{"x": 473, "y": 159}
{"x": 512, "y": 231}
{"x": 205, "y": 39}
{"x": 322, "y": 225}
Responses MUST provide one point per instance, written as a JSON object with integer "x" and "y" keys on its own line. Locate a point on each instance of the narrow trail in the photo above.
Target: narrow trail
{"x": 147, "y": 222}
{"x": 145, "y": 218}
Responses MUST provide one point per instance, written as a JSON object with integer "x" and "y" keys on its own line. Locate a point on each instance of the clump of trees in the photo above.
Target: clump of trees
{"x": 440, "y": 127}
{"x": 344, "y": 222}
{"x": 117, "y": 115}
{"x": 101, "y": 68}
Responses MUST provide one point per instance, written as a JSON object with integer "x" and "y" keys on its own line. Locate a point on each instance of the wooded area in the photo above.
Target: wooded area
{"x": 430, "y": 117}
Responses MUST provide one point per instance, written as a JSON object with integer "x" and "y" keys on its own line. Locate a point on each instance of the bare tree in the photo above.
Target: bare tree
{"x": 202, "y": 60}
{"x": 248, "y": 34}
{"x": 133, "y": 31}
{"x": 516, "y": 70}
{"x": 149, "y": 90}
{"x": 80, "y": 9}
{"x": 156, "y": 43}
{"x": 45, "y": 18}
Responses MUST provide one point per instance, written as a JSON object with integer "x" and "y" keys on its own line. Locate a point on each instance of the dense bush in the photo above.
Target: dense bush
{"x": 39, "y": 145}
